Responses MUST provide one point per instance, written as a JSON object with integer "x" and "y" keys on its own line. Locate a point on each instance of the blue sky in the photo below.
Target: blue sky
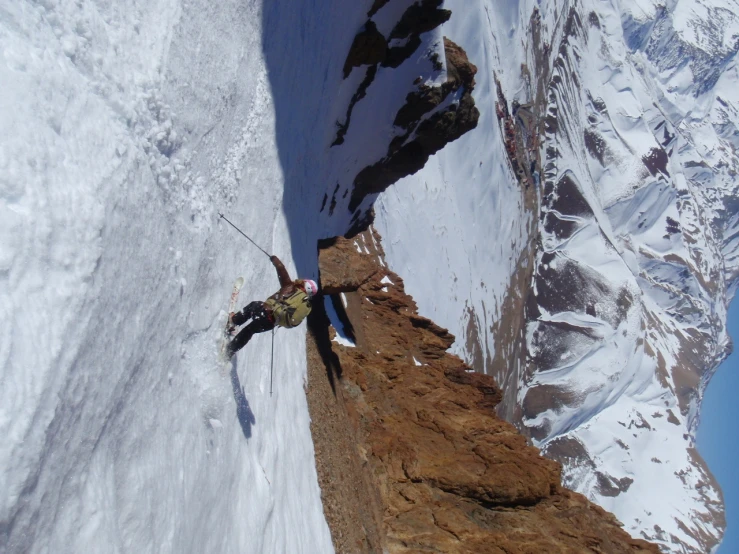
{"x": 717, "y": 433}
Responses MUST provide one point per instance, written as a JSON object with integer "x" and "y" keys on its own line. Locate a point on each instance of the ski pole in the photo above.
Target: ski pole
{"x": 245, "y": 235}
{"x": 272, "y": 362}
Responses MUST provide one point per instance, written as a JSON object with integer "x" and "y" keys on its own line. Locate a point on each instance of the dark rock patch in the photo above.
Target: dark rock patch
{"x": 560, "y": 228}
{"x": 595, "y": 145}
{"x": 361, "y": 93}
{"x": 656, "y": 161}
{"x": 547, "y": 397}
{"x": 571, "y": 287}
{"x": 672, "y": 418}
{"x": 610, "y": 486}
{"x": 369, "y": 48}
{"x": 419, "y": 18}
{"x": 569, "y": 200}
{"x": 556, "y": 343}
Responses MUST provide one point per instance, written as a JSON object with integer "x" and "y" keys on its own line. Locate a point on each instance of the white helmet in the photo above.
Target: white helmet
{"x": 311, "y": 288}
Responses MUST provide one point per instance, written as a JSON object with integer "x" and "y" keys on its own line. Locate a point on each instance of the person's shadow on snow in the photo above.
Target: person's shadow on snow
{"x": 243, "y": 411}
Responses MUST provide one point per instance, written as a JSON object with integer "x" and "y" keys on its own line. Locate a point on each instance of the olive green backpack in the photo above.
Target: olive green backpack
{"x": 291, "y": 311}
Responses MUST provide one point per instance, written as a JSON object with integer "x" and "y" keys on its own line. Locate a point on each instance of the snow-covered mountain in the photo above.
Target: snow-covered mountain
{"x": 124, "y": 129}
{"x": 626, "y": 309}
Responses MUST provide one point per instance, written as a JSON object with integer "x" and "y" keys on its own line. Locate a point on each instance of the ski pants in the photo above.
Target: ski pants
{"x": 261, "y": 321}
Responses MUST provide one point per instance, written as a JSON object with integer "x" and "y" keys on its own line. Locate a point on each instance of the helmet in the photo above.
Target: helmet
{"x": 311, "y": 288}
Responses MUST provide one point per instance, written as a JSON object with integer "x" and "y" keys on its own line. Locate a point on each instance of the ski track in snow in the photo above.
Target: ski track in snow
{"x": 122, "y": 130}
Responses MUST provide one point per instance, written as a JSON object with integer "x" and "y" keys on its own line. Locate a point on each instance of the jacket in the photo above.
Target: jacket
{"x": 287, "y": 285}
{"x": 286, "y": 308}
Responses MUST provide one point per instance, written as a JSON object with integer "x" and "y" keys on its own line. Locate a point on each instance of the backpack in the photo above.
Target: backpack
{"x": 291, "y": 311}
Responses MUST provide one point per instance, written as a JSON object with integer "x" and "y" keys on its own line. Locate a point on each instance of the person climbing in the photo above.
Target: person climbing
{"x": 286, "y": 308}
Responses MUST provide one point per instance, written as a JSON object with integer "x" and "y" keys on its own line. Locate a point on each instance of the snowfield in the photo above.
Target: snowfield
{"x": 123, "y": 129}
{"x": 456, "y": 255}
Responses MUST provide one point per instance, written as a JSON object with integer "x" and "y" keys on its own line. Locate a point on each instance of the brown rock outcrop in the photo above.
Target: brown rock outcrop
{"x": 434, "y": 469}
{"x": 344, "y": 271}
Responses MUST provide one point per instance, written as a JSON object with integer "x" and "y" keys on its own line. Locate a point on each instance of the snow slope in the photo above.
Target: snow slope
{"x": 123, "y": 128}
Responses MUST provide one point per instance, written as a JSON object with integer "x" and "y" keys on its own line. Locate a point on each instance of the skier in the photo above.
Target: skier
{"x": 285, "y": 308}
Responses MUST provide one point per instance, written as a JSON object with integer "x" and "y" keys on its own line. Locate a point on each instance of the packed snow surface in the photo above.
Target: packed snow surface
{"x": 123, "y": 129}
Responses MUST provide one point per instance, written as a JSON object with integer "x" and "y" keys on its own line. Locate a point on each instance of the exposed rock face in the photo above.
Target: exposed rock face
{"x": 445, "y": 473}
{"x": 406, "y": 93}
{"x": 369, "y": 48}
{"x": 434, "y": 113}
{"x": 417, "y": 19}
{"x": 428, "y": 123}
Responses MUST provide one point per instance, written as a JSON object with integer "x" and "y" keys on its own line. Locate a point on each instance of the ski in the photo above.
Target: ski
{"x": 231, "y": 308}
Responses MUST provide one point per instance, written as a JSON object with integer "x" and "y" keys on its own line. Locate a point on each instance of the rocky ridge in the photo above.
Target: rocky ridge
{"x": 410, "y": 434}
{"x": 427, "y": 124}
{"x": 400, "y": 47}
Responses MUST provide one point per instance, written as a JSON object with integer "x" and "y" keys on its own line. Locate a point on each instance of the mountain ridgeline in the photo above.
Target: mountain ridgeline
{"x": 411, "y": 455}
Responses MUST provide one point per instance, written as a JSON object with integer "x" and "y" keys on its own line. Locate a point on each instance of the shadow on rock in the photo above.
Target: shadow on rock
{"x": 318, "y": 324}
